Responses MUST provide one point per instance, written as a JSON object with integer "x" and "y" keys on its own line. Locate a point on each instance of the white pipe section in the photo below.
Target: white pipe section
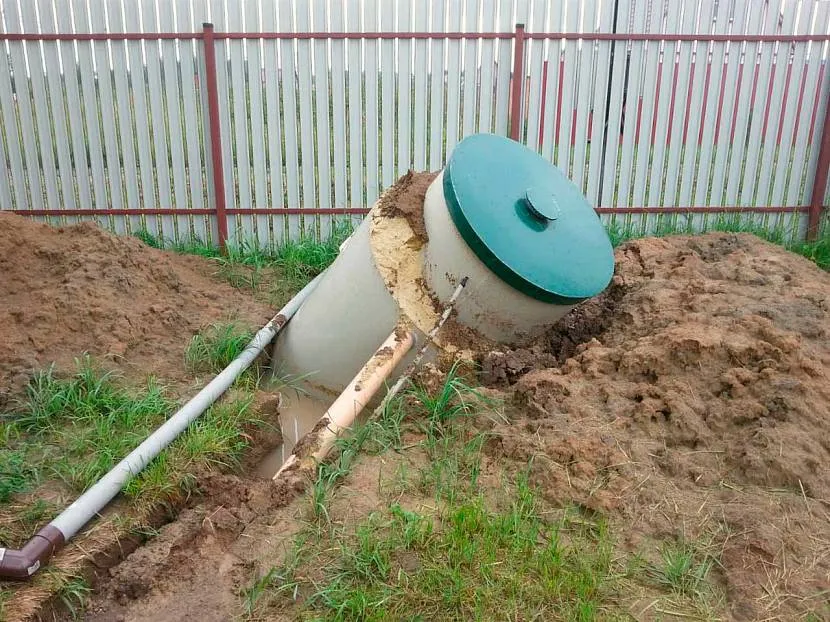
{"x": 73, "y": 518}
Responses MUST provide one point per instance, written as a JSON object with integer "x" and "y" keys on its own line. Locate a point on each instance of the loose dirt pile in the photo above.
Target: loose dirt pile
{"x": 76, "y": 289}
{"x": 696, "y": 407}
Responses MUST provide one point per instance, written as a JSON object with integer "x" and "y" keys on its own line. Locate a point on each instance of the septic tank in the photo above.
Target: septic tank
{"x": 498, "y": 213}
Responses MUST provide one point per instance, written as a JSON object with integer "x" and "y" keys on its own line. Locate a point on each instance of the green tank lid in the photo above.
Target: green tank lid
{"x": 526, "y": 221}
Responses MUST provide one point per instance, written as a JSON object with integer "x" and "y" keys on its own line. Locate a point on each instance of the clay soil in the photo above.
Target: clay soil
{"x": 691, "y": 402}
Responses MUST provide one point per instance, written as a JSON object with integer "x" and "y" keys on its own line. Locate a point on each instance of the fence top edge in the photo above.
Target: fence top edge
{"x": 584, "y": 36}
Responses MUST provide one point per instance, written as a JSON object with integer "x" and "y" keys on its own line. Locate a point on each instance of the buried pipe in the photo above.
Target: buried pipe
{"x": 314, "y": 447}
{"x": 24, "y": 562}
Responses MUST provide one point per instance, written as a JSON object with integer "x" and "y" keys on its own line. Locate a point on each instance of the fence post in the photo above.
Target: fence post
{"x": 518, "y": 82}
{"x": 820, "y": 181}
{"x": 215, "y": 135}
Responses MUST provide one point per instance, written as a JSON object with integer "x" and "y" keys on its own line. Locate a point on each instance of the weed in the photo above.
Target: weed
{"x": 214, "y": 348}
{"x": 73, "y": 594}
{"x": 684, "y": 569}
{"x": 15, "y": 475}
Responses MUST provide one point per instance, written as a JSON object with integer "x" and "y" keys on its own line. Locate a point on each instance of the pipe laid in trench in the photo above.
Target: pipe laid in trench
{"x": 22, "y": 563}
{"x": 344, "y": 410}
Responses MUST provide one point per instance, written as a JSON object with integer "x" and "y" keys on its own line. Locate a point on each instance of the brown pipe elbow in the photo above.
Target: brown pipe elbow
{"x": 20, "y": 564}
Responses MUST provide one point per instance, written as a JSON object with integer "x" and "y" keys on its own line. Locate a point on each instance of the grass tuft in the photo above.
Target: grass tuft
{"x": 817, "y": 251}
{"x": 214, "y": 348}
{"x": 684, "y": 569}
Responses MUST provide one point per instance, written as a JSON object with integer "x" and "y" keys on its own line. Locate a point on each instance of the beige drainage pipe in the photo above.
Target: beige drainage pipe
{"x": 345, "y": 409}
{"x": 23, "y": 563}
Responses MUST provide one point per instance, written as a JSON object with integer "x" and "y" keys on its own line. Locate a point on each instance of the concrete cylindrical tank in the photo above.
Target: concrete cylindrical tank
{"x": 529, "y": 242}
{"x": 524, "y": 234}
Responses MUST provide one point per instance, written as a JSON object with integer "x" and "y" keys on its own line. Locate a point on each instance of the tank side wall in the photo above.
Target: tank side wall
{"x": 491, "y": 306}
{"x": 341, "y": 324}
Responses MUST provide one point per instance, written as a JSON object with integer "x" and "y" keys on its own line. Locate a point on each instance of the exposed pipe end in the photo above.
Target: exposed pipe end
{"x": 19, "y": 565}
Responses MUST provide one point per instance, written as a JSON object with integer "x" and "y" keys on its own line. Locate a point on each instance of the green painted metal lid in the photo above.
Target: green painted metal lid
{"x": 526, "y": 221}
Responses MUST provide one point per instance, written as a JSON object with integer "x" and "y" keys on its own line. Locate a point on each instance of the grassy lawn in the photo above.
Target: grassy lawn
{"x": 73, "y": 425}
{"x": 444, "y": 544}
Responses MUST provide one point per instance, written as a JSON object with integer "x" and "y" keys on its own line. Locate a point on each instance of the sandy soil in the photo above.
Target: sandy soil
{"x": 76, "y": 289}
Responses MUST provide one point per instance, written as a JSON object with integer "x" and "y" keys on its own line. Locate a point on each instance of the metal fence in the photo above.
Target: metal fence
{"x": 281, "y": 117}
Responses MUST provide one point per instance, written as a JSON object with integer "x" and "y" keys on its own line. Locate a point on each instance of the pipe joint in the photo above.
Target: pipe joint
{"x": 20, "y": 564}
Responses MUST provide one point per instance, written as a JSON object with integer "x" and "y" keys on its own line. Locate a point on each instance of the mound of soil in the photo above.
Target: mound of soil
{"x": 697, "y": 407}
{"x": 76, "y": 289}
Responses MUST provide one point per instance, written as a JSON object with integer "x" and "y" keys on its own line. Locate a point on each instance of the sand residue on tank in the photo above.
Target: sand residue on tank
{"x": 398, "y": 251}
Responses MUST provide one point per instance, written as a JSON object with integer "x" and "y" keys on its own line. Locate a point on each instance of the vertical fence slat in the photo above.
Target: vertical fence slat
{"x": 764, "y": 71}
{"x": 487, "y": 69}
{"x": 613, "y": 133}
{"x": 237, "y": 147}
{"x": 32, "y": 195}
{"x": 664, "y": 104}
{"x": 469, "y": 76}
{"x": 420, "y": 100}
{"x": 712, "y": 110}
{"x": 785, "y": 147}
{"x": 695, "y": 113}
{"x": 584, "y": 94}
{"x": 47, "y": 147}
{"x": 321, "y": 115}
{"x": 289, "y": 116}
{"x": 274, "y": 135}
{"x": 370, "y": 51}
{"x": 820, "y": 100}
{"x": 173, "y": 101}
{"x": 677, "y": 119}
{"x": 338, "y": 105}
{"x": 437, "y": 118}
{"x": 153, "y": 67}
{"x": 192, "y": 81}
{"x": 764, "y": 148}
{"x": 601, "y": 61}
{"x": 404, "y": 77}
{"x": 258, "y": 150}
{"x": 308, "y": 189}
{"x": 453, "y": 71}
{"x": 90, "y": 108}
{"x": 113, "y": 172}
{"x": 532, "y": 83}
{"x": 387, "y": 94}
{"x": 503, "y": 68}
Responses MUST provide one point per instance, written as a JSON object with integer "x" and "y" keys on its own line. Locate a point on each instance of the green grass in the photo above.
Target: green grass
{"x": 74, "y": 428}
{"x": 684, "y": 569}
{"x": 215, "y": 347}
{"x": 817, "y": 251}
{"x": 274, "y": 273}
{"x": 442, "y": 544}
{"x": 468, "y": 561}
